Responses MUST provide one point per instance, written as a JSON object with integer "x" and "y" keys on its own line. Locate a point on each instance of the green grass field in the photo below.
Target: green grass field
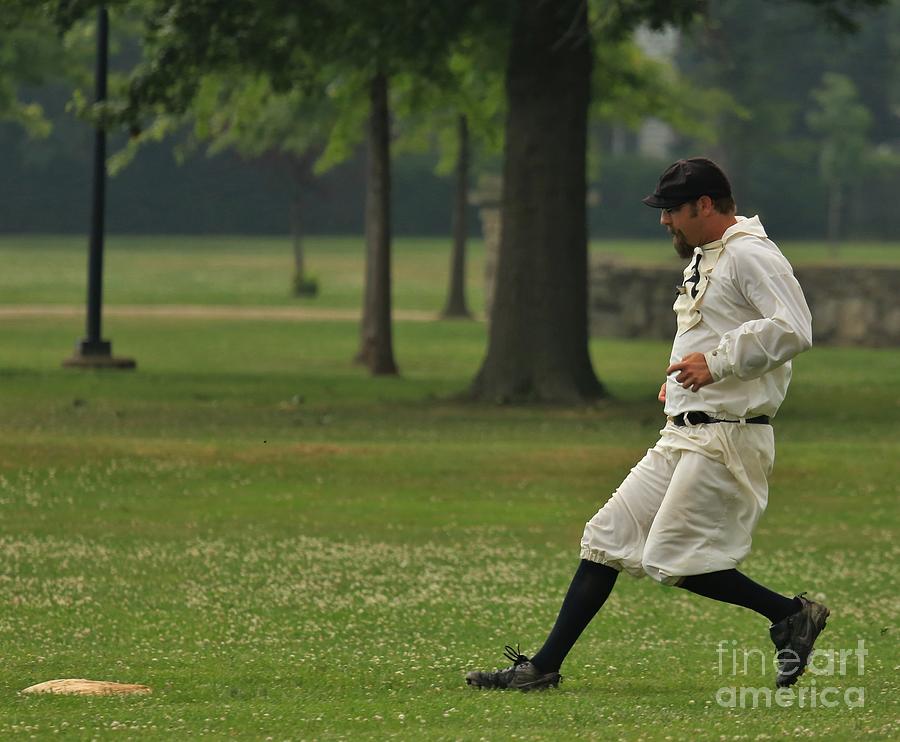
{"x": 284, "y": 548}
{"x": 256, "y": 270}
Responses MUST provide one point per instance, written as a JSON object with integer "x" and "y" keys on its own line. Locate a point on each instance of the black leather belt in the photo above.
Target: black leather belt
{"x": 701, "y": 418}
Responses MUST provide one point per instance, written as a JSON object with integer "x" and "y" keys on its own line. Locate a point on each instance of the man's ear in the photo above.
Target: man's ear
{"x": 706, "y": 205}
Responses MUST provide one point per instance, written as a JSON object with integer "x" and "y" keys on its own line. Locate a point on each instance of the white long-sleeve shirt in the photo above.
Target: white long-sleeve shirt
{"x": 743, "y": 309}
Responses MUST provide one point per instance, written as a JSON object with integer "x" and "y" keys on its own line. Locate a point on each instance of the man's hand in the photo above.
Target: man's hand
{"x": 694, "y": 373}
{"x": 662, "y": 393}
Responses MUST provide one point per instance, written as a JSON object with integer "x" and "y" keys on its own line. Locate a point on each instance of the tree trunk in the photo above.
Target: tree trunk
{"x": 366, "y": 330}
{"x": 376, "y": 347}
{"x": 300, "y": 169}
{"x": 297, "y": 243}
{"x": 456, "y": 295}
{"x": 835, "y": 206}
{"x": 538, "y": 347}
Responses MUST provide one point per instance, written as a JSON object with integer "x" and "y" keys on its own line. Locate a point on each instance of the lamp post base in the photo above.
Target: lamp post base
{"x": 97, "y": 354}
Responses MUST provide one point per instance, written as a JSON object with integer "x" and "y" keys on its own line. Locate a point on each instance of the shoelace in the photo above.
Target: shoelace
{"x": 514, "y": 655}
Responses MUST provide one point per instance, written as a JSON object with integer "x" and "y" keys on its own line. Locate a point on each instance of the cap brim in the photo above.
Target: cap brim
{"x": 657, "y": 202}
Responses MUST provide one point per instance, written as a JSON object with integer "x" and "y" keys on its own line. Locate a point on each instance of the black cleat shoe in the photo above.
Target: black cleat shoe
{"x": 794, "y": 637}
{"x": 522, "y": 675}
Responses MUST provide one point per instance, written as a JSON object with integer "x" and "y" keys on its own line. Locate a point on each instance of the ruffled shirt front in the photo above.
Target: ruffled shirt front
{"x": 696, "y": 279}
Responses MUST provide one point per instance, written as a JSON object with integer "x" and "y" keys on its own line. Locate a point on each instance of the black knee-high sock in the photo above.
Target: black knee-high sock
{"x": 731, "y": 586}
{"x": 589, "y": 590}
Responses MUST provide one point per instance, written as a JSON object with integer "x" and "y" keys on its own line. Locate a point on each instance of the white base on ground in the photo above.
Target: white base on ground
{"x": 82, "y": 687}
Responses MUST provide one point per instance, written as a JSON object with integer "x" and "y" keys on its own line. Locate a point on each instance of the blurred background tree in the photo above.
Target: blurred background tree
{"x": 746, "y": 49}
{"x": 458, "y": 118}
{"x": 297, "y": 134}
{"x": 842, "y": 124}
{"x": 32, "y": 55}
{"x": 771, "y": 57}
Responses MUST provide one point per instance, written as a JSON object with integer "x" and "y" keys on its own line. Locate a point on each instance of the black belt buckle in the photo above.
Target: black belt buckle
{"x": 700, "y": 418}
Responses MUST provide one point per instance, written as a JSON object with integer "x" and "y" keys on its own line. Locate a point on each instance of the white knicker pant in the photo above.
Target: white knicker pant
{"x": 689, "y": 506}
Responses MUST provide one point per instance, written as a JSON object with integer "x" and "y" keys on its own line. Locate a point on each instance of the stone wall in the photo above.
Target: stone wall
{"x": 853, "y": 306}
{"x": 850, "y": 305}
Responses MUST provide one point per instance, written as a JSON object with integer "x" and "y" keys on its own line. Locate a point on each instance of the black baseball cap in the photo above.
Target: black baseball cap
{"x": 687, "y": 180}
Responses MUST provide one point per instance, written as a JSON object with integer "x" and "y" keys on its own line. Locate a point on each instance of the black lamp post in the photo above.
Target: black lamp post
{"x": 93, "y": 351}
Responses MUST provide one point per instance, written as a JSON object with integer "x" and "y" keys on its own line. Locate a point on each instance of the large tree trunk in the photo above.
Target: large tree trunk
{"x": 538, "y": 347}
{"x": 376, "y": 347}
{"x": 456, "y": 295}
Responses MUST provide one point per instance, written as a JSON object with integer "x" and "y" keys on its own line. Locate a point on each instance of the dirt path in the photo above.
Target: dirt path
{"x": 195, "y": 311}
